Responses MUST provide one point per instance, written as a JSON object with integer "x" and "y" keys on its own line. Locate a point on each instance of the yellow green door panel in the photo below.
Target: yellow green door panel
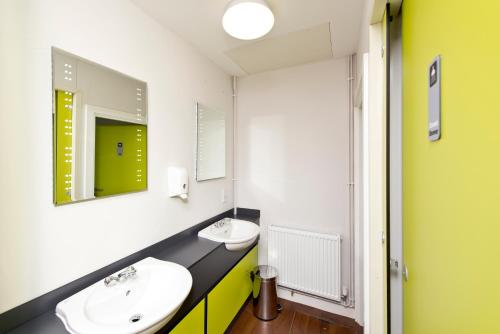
{"x": 226, "y": 299}
{"x": 63, "y": 143}
{"x": 451, "y": 216}
{"x": 120, "y": 173}
{"x": 193, "y": 323}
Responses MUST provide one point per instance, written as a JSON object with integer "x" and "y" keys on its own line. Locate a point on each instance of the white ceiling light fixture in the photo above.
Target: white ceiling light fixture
{"x": 248, "y": 19}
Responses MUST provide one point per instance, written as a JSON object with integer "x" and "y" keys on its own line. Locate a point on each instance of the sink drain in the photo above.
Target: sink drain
{"x": 135, "y": 318}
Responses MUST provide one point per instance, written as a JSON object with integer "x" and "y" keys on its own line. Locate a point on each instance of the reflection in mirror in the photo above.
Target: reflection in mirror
{"x": 100, "y": 130}
{"x": 211, "y": 143}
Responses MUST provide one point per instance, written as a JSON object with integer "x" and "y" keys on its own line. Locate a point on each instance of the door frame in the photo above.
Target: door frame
{"x": 374, "y": 185}
{"x": 396, "y": 259}
{"x": 83, "y": 172}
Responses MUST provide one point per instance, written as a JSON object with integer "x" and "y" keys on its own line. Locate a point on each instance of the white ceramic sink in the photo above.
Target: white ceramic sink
{"x": 235, "y": 233}
{"x": 140, "y": 304}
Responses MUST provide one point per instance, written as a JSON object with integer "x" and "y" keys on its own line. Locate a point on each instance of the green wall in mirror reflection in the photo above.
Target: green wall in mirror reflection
{"x": 120, "y": 154}
{"x": 120, "y": 158}
{"x": 63, "y": 146}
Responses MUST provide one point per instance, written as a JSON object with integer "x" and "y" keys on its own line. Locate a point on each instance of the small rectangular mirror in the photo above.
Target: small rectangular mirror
{"x": 210, "y": 144}
{"x": 99, "y": 130}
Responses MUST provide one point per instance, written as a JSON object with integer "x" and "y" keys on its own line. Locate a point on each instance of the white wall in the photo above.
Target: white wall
{"x": 292, "y": 150}
{"x": 41, "y": 246}
{"x": 363, "y": 38}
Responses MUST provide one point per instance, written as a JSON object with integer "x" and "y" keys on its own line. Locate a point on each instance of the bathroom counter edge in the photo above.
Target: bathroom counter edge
{"x": 184, "y": 248}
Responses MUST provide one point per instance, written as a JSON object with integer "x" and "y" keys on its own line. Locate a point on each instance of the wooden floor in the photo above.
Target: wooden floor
{"x": 296, "y": 319}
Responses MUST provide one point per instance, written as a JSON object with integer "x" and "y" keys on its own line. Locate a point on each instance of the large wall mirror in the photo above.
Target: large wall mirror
{"x": 100, "y": 130}
{"x": 210, "y": 144}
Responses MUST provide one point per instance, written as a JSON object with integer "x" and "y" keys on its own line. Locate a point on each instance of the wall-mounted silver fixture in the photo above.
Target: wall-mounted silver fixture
{"x": 435, "y": 99}
{"x": 129, "y": 272}
{"x": 119, "y": 149}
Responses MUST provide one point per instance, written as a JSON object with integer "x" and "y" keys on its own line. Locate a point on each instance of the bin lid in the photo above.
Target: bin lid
{"x": 266, "y": 272}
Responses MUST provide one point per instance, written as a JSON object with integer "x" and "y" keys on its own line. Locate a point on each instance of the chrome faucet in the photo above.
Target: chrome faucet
{"x": 129, "y": 272}
{"x": 222, "y": 222}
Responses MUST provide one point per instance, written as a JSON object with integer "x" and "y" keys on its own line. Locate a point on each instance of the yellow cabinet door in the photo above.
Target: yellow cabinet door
{"x": 193, "y": 323}
{"x": 226, "y": 299}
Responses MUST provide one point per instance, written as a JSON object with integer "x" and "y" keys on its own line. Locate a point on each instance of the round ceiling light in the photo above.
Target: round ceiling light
{"x": 247, "y": 19}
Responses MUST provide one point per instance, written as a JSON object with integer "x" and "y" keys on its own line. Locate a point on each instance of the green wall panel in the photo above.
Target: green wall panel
{"x": 450, "y": 187}
{"x": 63, "y": 141}
{"x": 193, "y": 323}
{"x": 226, "y": 299}
{"x": 114, "y": 173}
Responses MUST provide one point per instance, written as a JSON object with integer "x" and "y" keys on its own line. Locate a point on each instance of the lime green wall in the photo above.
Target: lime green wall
{"x": 116, "y": 174}
{"x": 193, "y": 323}
{"x": 226, "y": 299}
{"x": 451, "y": 187}
{"x": 63, "y": 141}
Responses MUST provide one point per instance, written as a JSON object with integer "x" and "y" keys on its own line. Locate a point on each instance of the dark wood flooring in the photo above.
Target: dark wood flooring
{"x": 294, "y": 319}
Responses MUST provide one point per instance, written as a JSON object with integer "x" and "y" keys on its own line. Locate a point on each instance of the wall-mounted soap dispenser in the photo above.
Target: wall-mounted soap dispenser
{"x": 177, "y": 182}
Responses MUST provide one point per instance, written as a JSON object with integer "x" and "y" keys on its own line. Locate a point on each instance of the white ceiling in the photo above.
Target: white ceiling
{"x": 299, "y": 26}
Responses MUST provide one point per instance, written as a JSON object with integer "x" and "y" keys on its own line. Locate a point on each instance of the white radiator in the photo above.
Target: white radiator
{"x": 306, "y": 261}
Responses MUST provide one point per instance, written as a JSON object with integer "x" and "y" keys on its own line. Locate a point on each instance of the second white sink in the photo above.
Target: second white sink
{"x": 141, "y": 303}
{"x": 235, "y": 233}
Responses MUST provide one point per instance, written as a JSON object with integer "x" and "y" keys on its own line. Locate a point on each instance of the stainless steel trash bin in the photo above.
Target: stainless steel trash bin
{"x": 265, "y": 298}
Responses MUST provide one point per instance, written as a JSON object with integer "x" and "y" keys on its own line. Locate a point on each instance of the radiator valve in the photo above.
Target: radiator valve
{"x": 345, "y": 293}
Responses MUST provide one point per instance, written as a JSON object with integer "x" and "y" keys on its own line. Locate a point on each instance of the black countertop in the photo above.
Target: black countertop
{"x": 207, "y": 261}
